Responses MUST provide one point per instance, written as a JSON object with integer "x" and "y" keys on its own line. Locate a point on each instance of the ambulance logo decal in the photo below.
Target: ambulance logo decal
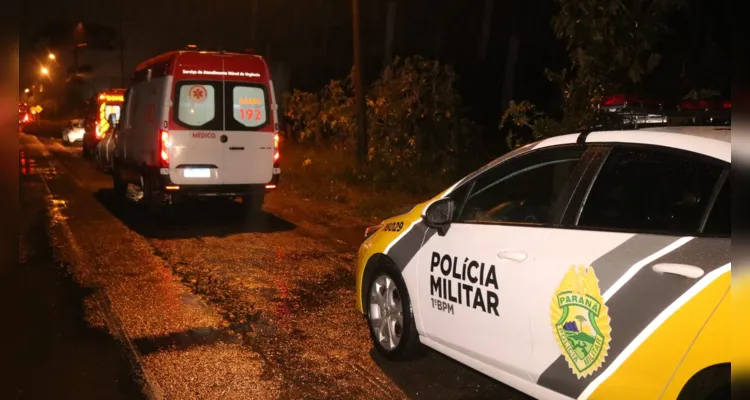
{"x": 198, "y": 93}
{"x": 580, "y": 321}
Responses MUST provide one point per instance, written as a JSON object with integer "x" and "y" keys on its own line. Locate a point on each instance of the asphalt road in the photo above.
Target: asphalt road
{"x": 207, "y": 307}
{"x": 51, "y": 351}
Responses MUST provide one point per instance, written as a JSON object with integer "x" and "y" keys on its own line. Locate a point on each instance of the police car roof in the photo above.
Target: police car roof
{"x": 713, "y": 141}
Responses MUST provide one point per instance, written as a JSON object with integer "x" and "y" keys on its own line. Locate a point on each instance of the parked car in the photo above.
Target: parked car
{"x": 592, "y": 265}
{"x": 73, "y": 132}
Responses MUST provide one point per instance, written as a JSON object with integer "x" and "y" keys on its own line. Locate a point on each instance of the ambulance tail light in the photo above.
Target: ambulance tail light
{"x": 164, "y": 148}
{"x": 276, "y": 153}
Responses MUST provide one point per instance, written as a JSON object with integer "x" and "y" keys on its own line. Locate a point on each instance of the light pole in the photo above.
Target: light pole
{"x": 358, "y": 86}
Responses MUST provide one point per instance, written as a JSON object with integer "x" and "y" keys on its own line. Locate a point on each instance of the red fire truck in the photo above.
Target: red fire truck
{"x": 96, "y": 122}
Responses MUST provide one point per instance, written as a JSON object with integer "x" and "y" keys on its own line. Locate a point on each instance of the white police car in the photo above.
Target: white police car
{"x": 593, "y": 265}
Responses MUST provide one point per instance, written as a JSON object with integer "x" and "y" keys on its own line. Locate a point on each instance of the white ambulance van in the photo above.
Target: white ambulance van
{"x": 198, "y": 123}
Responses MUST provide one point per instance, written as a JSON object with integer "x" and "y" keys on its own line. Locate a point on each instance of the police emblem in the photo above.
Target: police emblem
{"x": 580, "y": 320}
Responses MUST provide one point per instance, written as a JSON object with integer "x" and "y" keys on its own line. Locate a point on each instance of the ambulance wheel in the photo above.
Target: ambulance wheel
{"x": 389, "y": 314}
{"x": 253, "y": 204}
{"x": 119, "y": 187}
{"x": 153, "y": 200}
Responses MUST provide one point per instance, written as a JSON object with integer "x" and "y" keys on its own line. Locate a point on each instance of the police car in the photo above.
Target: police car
{"x": 591, "y": 265}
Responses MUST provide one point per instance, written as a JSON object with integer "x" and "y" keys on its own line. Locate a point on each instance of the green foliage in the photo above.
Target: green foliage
{"x": 413, "y": 124}
{"x": 326, "y": 117}
{"x": 522, "y": 124}
{"x": 613, "y": 40}
{"x": 612, "y": 45}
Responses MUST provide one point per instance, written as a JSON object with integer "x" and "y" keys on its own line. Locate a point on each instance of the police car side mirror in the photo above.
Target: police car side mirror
{"x": 439, "y": 215}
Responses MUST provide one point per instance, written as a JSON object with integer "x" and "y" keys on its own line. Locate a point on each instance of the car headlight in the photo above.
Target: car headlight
{"x": 372, "y": 229}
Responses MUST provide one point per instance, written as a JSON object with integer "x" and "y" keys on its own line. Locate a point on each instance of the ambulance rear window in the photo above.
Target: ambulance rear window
{"x": 197, "y": 104}
{"x": 249, "y": 106}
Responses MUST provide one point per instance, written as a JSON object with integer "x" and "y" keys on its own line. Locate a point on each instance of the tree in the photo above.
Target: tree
{"x": 611, "y": 44}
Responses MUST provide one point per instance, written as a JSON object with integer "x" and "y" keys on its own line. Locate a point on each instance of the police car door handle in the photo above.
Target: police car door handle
{"x": 688, "y": 271}
{"x": 512, "y": 255}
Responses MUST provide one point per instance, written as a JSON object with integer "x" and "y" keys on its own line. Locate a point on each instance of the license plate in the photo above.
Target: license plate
{"x": 197, "y": 173}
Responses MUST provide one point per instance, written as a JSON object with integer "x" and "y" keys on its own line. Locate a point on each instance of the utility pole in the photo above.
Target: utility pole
{"x": 122, "y": 55}
{"x": 390, "y": 28}
{"x": 484, "y": 40}
{"x": 358, "y": 87}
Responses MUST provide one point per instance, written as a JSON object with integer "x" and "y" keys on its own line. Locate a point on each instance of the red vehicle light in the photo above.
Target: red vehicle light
{"x": 164, "y": 148}
{"x": 276, "y": 154}
{"x": 694, "y": 104}
{"x": 620, "y": 100}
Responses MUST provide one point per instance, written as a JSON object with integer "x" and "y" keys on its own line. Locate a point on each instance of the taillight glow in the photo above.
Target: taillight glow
{"x": 276, "y": 154}
{"x": 270, "y": 186}
{"x": 164, "y": 147}
{"x": 620, "y": 100}
{"x": 694, "y": 105}
{"x": 26, "y": 117}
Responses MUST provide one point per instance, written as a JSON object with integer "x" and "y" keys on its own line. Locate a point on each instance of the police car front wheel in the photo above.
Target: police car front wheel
{"x": 389, "y": 315}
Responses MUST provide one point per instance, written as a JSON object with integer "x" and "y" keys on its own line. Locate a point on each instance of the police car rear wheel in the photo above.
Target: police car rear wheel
{"x": 389, "y": 315}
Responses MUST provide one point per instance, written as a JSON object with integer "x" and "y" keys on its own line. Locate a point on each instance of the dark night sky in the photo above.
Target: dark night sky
{"x": 293, "y": 36}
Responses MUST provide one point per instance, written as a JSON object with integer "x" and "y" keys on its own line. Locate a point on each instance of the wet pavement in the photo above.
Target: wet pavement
{"x": 212, "y": 308}
{"x": 55, "y": 353}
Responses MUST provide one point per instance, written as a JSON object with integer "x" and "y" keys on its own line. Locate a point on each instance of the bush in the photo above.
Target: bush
{"x": 417, "y": 139}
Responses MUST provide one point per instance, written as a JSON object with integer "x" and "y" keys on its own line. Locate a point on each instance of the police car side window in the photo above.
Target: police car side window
{"x": 523, "y": 189}
{"x": 650, "y": 190}
{"x": 459, "y": 195}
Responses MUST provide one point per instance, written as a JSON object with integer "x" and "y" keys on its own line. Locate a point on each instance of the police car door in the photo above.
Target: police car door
{"x": 644, "y": 208}
{"x": 474, "y": 280}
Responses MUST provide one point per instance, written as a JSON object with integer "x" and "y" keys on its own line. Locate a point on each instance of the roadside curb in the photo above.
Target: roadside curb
{"x": 75, "y": 258}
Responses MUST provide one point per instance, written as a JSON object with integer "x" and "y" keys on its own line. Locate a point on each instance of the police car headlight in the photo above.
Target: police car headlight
{"x": 372, "y": 229}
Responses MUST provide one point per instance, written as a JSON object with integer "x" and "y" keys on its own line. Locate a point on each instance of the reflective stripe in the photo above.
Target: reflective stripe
{"x": 640, "y": 300}
{"x": 653, "y": 326}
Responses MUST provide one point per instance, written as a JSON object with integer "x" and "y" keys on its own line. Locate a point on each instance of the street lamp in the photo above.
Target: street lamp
{"x": 26, "y": 90}
{"x": 51, "y": 56}
{"x": 45, "y": 71}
